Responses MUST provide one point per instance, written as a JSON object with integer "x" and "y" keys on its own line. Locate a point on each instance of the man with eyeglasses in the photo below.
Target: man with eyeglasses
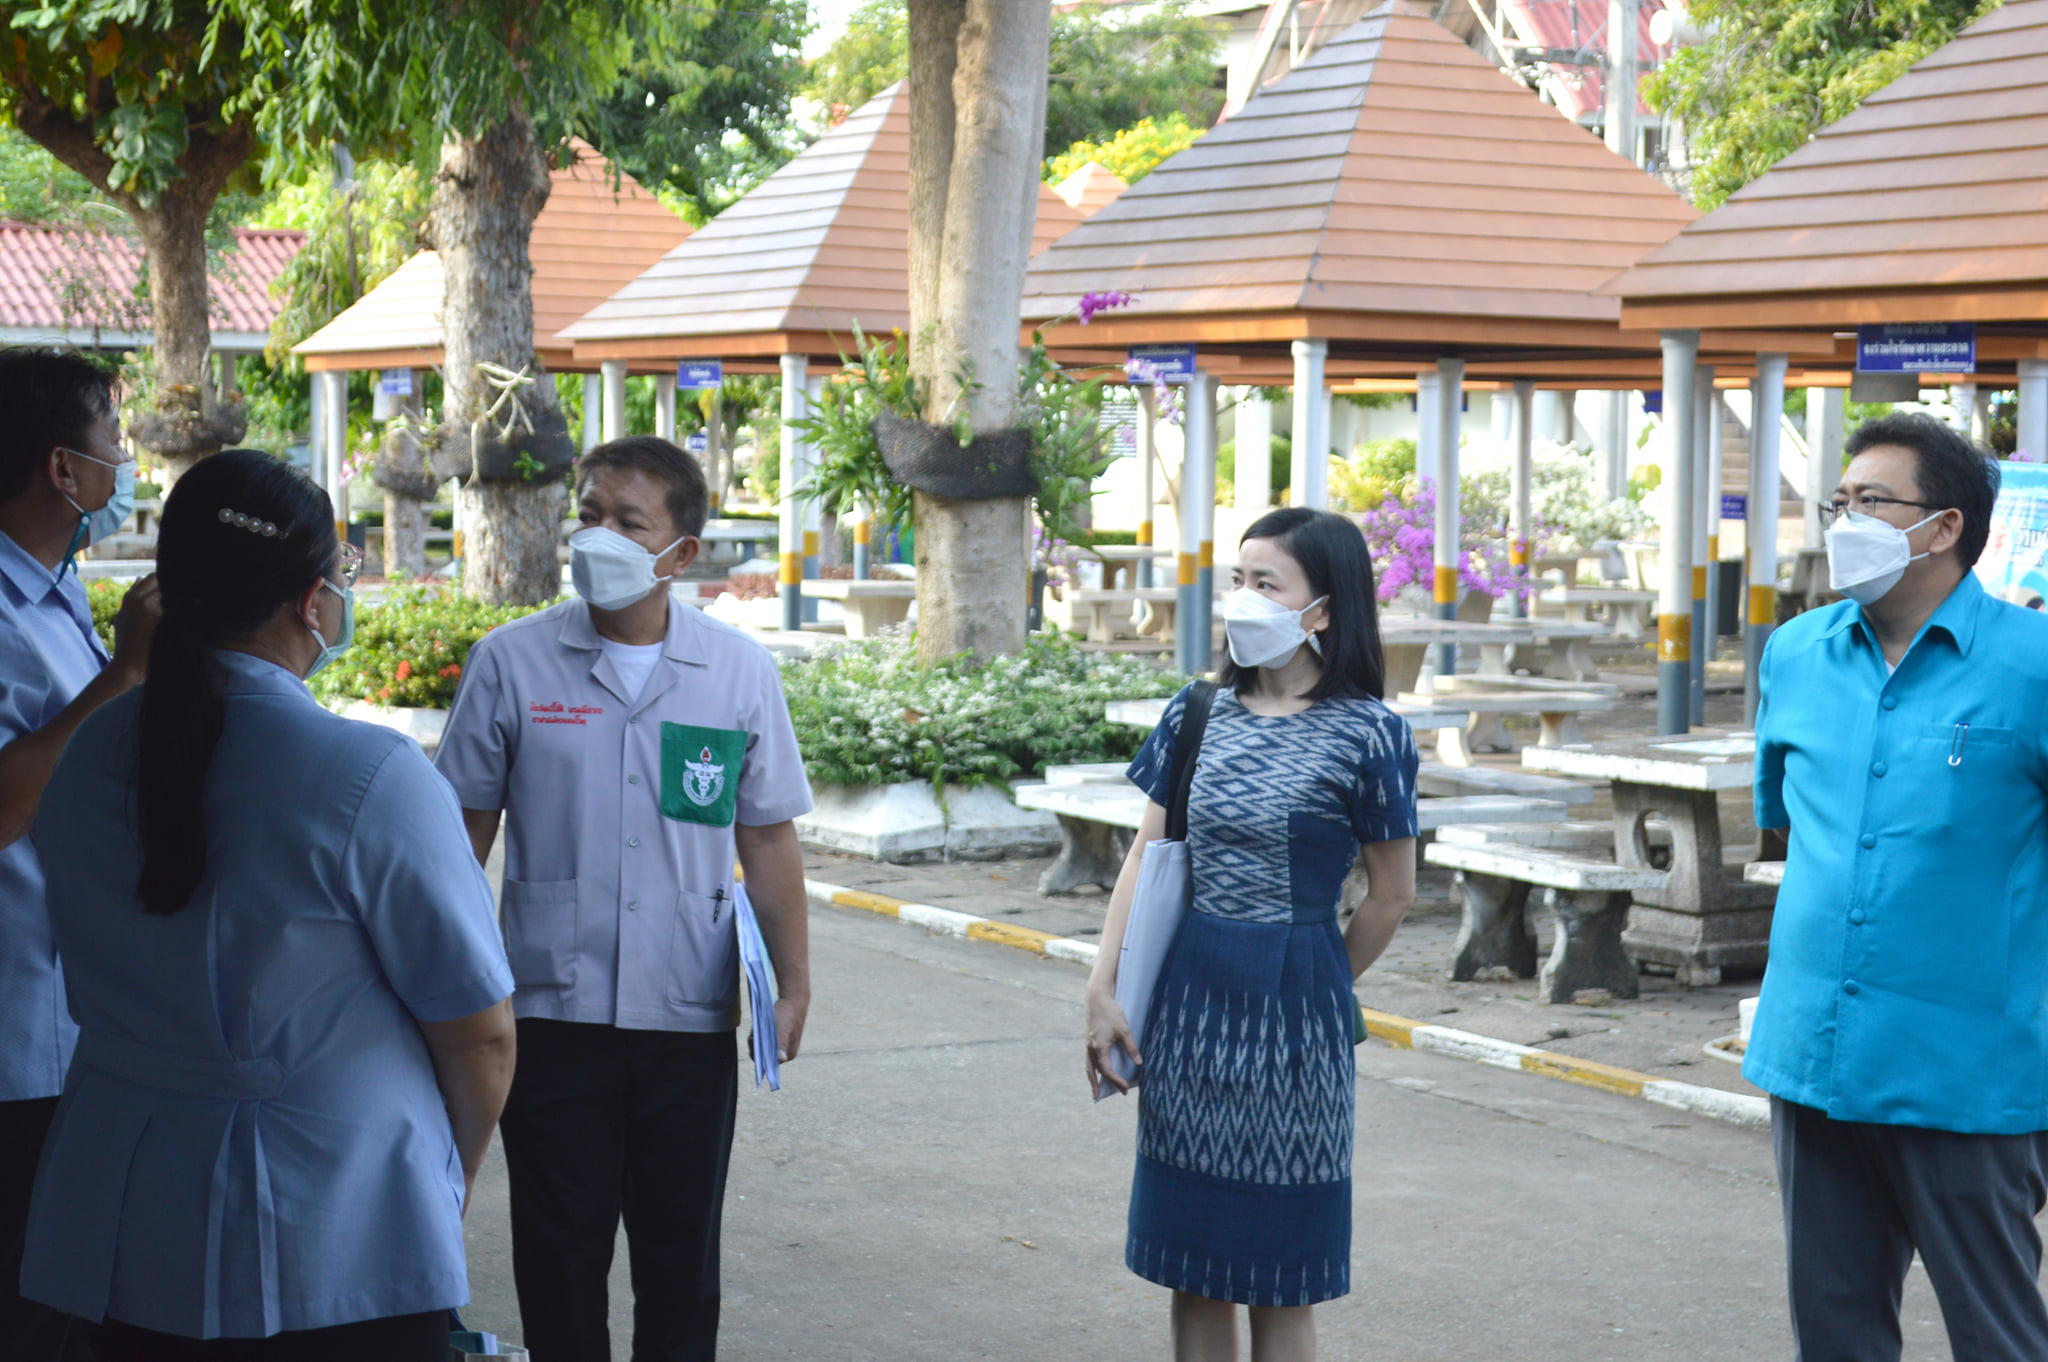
{"x": 62, "y": 479}
{"x": 1902, "y": 764}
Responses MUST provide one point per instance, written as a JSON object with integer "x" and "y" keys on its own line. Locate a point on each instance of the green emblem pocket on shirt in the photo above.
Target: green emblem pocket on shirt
{"x": 700, "y": 773}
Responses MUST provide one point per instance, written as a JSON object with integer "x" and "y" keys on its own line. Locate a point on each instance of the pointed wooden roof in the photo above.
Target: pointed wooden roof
{"x": 588, "y": 239}
{"x": 1929, "y": 202}
{"x": 1394, "y": 173}
{"x": 789, "y": 268}
{"x": 1091, "y": 189}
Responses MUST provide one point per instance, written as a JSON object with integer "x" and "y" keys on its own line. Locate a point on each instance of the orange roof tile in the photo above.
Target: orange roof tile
{"x": 821, "y": 243}
{"x": 1091, "y": 189}
{"x": 587, "y": 241}
{"x": 1937, "y": 181}
{"x": 77, "y": 281}
{"x": 1395, "y": 171}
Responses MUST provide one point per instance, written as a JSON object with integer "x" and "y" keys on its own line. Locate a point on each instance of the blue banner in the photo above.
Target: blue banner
{"x": 1163, "y": 363}
{"x": 1917, "y": 348}
{"x": 700, "y": 373}
{"x": 2014, "y": 564}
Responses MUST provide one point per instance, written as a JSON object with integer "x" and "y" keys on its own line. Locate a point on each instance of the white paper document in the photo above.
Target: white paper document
{"x": 754, "y": 963}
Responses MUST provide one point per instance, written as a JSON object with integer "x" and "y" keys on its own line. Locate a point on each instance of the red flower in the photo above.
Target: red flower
{"x": 451, "y": 670}
{"x": 404, "y": 670}
{"x": 384, "y": 694}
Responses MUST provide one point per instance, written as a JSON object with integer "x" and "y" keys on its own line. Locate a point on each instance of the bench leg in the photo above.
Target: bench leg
{"x": 1450, "y": 747}
{"x": 1571, "y": 660}
{"x": 1486, "y": 733}
{"x": 1099, "y": 628}
{"x": 1495, "y": 927}
{"x": 1090, "y": 853}
{"x": 1559, "y": 730}
{"x": 1586, "y": 952}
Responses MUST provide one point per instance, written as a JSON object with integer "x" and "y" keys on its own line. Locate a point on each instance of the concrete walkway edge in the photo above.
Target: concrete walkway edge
{"x": 1736, "y": 1108}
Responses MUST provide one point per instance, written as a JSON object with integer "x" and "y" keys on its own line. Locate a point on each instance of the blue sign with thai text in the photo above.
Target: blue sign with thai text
{"x": 697, "y": 442}
{"x": 1734, "y": 506}
{"x": 700, "y": 373}
{"x": 1917, "y": 348}
{"x": 1160, "y": 364}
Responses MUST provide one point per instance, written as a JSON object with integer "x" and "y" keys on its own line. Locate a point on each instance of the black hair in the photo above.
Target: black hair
{"x": 50, "y": 397}
{"x": 242, "y": 533}
{"x": 1954, "y": 472}
{"x": 689, "y": 498}
{"x": 1331, "y": 551}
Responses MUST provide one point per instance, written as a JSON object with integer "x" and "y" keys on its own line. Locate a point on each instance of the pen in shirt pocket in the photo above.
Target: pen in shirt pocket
{"x": 1955, "y": 746}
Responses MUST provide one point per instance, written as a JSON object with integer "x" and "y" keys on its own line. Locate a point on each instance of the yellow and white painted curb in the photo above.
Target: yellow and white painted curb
{"x": 1401, "y": 1032}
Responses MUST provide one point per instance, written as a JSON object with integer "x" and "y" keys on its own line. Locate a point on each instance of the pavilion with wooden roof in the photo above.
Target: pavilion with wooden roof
{"x": 597, "y": 231}
{"x": 779, "y": 280}
{"x": 1393, "y": 211}
{"x": 1923, "y": 207}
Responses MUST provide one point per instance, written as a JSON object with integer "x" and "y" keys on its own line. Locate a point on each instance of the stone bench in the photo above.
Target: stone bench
{"x": 1590, "y": 898}
{"x": 1437, "y": 779}
{"x": 1097, "y": 818}
{"x": 1556, "y": 711}
{"x": 1632, "y": 611}
{"x": 1096, "y": 610}
{"x": 870, "y": 606}
{"x": 1568, "y": 836}
{"x": 1764, "y": 872}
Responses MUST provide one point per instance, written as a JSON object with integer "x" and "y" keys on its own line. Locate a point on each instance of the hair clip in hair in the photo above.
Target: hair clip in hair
{"x": 251, "y": 523}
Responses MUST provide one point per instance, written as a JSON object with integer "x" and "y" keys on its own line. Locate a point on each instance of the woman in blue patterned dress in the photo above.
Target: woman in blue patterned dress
{"x": 1242, "y": 1194}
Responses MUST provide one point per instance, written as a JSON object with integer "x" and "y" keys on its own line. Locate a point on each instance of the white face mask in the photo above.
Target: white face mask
{"x": 1262, "y": 632}
{"x": 611, "y": 571}
{"x": 1867, "y": 556}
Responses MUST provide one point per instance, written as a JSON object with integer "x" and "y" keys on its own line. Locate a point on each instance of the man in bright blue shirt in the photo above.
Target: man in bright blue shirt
{"x": 60, "y": 456}
{"x": 1902, "y": 1032}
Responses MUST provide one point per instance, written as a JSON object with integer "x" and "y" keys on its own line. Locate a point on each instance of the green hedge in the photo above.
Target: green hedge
{"x": 410, "y": 647}
{"x": 869, "y": 714}
{"x": 105, "y": 597}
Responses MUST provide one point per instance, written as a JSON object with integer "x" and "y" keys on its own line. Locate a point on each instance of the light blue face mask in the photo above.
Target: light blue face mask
{"x": 330, "y": 651}
{"x": 96, "y": 526}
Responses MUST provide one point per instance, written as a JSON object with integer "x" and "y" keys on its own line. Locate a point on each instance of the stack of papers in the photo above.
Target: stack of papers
{"x": 754, "y": 963}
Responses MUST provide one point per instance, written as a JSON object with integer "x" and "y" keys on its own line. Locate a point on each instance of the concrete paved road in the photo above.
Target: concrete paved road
{"x": 932, "y": 1183}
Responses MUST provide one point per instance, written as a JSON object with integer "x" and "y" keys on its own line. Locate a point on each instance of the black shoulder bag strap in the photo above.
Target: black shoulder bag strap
{"x": 1187, "y": 745}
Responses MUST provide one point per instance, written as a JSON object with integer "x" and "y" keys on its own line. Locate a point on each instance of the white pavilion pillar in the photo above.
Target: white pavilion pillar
{"x": 813, "y": 509}
{"x": 1520, "y": 513}
{"x": 1962, "y": 398}
{"x": 1254, "y": 489}
{"x": 2033, "y": 413}
{"x": 794, "y": 372}
{"x": 593, "y": 412}
{"x": 1824, "y": 435}
{"x": 1450, "y": 375}
{"x": 1309, "y": 479}
{"x": 1703, "y": 513}
{"x": 665, "y": 407}
{"x": 1760, "y": 535}
{"x": 1429, "y": 414}
{"x": 1674, "y": 551}
{"x": 1148, "y": 495}
{"x": 334, "y": 412}
{"x": 1196, "y": 575}
{"x": 614, "y": 424}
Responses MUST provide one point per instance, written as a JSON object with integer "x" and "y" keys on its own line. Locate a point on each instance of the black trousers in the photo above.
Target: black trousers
{"x": 28, "y": 1332}
{"x": 396, "y": 1338}
{"x": 603, "y": 1123}
{"x": 1860, "y": 1199}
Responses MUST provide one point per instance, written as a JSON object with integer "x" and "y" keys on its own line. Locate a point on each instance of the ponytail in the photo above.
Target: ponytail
{"x": 241, "y": 534}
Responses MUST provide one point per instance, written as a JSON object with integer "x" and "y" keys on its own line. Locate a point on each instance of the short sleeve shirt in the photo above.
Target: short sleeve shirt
{"x": 1908, "y": 978}
{"x": 48, "y": 654}
{"x": 252, "y": 1138}
{"x": 620, "y": 808}
{"x": 1281, "y": 803}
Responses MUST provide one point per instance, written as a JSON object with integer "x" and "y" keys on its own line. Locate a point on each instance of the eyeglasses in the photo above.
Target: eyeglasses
{"x": 1863, "y": 505}
{"x": 350, "y": 564}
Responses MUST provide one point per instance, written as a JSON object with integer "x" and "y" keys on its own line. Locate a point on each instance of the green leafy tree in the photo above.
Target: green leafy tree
{"x": 152, "y": 106}
{"x": 1130, "y": 154}
{"x": 357, "y": 232}
{"x": 1771, "y": 73}
{"x": 1109, "y": 69}
{"x": 700, "y": 124}
{"x": 36, "y": 187}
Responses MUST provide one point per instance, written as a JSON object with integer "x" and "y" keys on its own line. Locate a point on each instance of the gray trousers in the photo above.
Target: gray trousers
{"x": 1859, "y": 1199}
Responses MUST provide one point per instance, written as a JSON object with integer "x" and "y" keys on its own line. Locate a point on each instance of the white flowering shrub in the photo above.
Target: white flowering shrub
{"x": 870, "y": 714}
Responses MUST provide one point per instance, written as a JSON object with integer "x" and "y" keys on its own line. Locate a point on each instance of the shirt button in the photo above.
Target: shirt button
{"x": 1868, "y": 839}
{"x": 632, "y": 780}
{"x": 1852, "y": 988}
{"x": 1856, "y": 917}
{"x": 632, "y": 718}
{"x": 632, "y": 904}
{"x": 1877, "y": 768}
{"x": 1891, "y": 702}
{"x": 632, "y": 841}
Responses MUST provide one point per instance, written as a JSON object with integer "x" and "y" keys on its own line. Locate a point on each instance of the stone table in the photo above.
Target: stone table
{"x": 1704, "y": 918}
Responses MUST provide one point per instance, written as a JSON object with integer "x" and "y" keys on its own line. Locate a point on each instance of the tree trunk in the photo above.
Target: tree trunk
{"x": 489, "y": 190}
{"x": 977, "y": 85}
{"x": 402, "y": 473}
